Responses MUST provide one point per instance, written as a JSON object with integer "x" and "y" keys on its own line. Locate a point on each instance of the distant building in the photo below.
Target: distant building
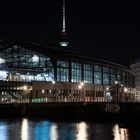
{"x": 135, "y": 69}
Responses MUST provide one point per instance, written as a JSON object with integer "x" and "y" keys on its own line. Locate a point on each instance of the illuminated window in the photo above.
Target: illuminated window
{"x": 87, "y": 73}
{"x": 118, "y": 75}
{"x": 124, "y": 78}
{"x": 97, "y": 74}
{"x": 39, "y": 67}
{"x": 76, "y": 72}
{"x": 112, "y": 75}
{"x": 62, "y": 71}
{"x": 105, "y": 75}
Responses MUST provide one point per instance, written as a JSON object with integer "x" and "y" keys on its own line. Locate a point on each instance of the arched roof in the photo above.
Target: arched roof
{"x": 57, "y": 50}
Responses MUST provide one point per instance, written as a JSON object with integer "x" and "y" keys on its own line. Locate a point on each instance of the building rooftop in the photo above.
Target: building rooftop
{"x": 50, "y": 48}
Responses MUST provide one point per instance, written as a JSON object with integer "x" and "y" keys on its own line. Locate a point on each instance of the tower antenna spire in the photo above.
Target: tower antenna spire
{"x": 64, "y": 42}
{"x": 64, "y": 22}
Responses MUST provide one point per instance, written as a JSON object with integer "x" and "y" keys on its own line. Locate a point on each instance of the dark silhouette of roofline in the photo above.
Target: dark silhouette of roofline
{"x": 66, "y": 51}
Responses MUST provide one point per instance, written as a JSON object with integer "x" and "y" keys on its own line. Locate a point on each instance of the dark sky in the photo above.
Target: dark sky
{"x": 102, "y": 29}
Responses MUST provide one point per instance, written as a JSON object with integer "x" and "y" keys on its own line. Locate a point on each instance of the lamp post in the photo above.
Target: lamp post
{"x": 81, "y": 86}
{"x": 53, "y": 83}
{"x": 80, "y": 90}
{"x": 125, "y": 91}
{"x": 117, "y": 90}
{"x": 122, "y": 87}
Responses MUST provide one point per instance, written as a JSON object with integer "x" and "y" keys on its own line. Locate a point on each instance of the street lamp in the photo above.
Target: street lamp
{"x": 53, "y": 82}
{"x": 107, "y": 88}
{"x": 81, "y": 86}
{"x": 82, "y": 83}
{"x": 117, "y": 89}
{"x": 24, "y": 87}
{"x": 125, "y": 90}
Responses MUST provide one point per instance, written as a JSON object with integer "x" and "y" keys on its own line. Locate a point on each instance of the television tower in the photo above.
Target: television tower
{"x": 64, "y": 42}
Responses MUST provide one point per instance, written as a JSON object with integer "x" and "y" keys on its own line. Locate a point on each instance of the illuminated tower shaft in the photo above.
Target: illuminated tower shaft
{"x": 63, "y": 41}
{"x": 64, "y": 22}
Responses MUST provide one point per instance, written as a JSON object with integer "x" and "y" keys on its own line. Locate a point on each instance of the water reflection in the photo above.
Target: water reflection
{"x": 66, "y": 131}
{"x": 81, "y": 131}
{"x": 3, "y": 130}
{"x": 120, "y": 133}
{"x": 53, "y": 132}
{"x": 25, "y": 129}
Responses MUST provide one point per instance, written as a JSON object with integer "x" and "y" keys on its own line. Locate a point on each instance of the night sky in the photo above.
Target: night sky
{"x": 103, "y": 29}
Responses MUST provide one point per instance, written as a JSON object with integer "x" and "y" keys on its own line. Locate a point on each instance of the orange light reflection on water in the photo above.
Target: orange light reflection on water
{"x": 120, "y": 133}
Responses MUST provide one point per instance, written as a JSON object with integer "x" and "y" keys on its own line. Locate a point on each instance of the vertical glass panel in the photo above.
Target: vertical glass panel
{"x": 123, "y": 78}
{"x": 105, "y": 75}
{"x": 76, "y": 72}
{"x": 112, "y": 75}
{"x": 97, "y": 74}
{"x": 62, "y": 71}
{"x": 118, "y": 75}
{"x": 87, "y": 73}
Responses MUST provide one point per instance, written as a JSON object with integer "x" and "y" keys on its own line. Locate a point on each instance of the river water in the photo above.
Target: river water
{"x": 44, "y": 129}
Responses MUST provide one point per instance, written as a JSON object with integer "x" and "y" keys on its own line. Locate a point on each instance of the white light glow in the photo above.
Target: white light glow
{"x": 53, "y": 82}
{"x": 64, "y": 43}
{"x": 35, "y": 58}
{"x": 81, "y": 129}
{"x": 82, "y": 83}
{"x": 116, "y": 132}
{"x": 125, "y": 89}
{"x": 107, "y": 88}
{"x": 24, "y": 129}
{"x": 43, "y": 91}
{"x": 24, "y": 87}
{"x": 79, "y": 86}
{"x": 2, "y": 60}
{"x": 53, "y": 132}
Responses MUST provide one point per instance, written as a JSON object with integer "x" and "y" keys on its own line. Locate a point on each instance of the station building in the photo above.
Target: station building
{"x": 31, "y": 70}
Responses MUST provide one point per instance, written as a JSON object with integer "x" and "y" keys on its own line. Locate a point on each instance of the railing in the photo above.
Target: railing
{"x": 61, "y": 99}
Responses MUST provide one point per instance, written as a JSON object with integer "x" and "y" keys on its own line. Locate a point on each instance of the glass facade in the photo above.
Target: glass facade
{"x": 124, "y": 78}
{"x": 18, "y": 63}
{"x": 105, "y": 75}
{"x": 97, "y": 74}
{"x": 76, "y": 72}
{"x": 62, "y": 71}
{"x": 112, "y": 75}
{"x": 119, "y": 76}
{"x": 22, "y": 64}
{"x": 88, "y": 73}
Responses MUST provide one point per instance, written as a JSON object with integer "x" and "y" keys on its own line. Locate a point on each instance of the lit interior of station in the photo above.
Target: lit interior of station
{"x": 44, "y": 71}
